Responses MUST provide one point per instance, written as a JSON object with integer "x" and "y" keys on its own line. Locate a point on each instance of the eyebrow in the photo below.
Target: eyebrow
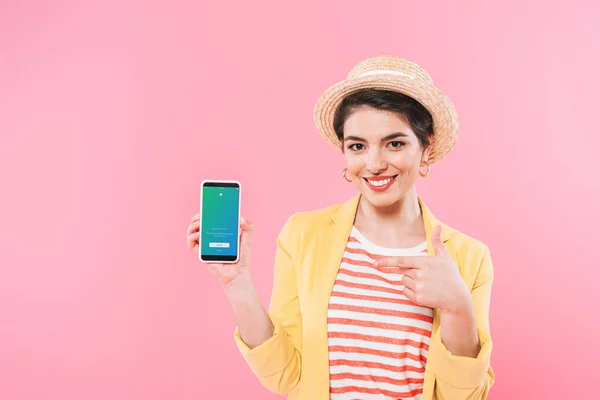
{"x": 388, "y": 137}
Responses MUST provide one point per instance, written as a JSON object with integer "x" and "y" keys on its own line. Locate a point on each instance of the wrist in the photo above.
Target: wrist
{"x": 240, "y": 286}
{"x": 462, "y": 305}
{"x": 459, "y": 328}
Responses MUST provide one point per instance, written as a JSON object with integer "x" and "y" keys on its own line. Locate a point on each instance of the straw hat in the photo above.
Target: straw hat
{"x": 397, "y": 74}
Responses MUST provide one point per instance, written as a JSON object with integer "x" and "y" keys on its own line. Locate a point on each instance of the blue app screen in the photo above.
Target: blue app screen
{"x": 220, "y": 209}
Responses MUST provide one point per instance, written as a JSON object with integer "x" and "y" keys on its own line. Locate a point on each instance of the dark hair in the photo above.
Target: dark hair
{"x": 403, "y": 106}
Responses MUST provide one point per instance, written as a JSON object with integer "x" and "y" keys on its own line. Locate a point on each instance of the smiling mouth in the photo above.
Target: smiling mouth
{"x": 380, "y": 183}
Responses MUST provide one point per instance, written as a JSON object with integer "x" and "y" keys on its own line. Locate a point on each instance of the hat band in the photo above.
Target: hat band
{"x": 385, "y": 72}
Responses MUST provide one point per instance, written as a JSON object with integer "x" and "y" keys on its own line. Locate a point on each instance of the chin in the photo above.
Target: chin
{"x": 382, "y": 200}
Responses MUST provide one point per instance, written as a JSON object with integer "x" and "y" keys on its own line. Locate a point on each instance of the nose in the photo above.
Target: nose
{"x": 376, "y": 163}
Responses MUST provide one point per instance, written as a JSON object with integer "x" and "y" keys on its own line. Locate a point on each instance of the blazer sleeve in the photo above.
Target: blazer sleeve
{"x": 277, "y": 362}
{"x": 466, "y": 378}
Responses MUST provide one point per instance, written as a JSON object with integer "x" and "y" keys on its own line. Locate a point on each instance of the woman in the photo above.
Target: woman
{"x": 372, "y": 298}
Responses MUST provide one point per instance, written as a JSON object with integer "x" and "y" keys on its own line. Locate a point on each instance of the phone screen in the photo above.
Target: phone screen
{"x": 220, "y": 221}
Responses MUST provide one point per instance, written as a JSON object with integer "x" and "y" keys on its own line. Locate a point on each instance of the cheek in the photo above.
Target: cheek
{"x": 406, "y": 167}
{"x": 354, "y": 164}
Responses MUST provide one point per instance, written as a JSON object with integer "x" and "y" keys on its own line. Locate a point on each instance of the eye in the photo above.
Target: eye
{"x": 396, "y": 144}
{"x": 356, "y": 146}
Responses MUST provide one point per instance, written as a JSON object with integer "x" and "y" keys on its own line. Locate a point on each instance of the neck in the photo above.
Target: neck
{"x": 405, "y": 213}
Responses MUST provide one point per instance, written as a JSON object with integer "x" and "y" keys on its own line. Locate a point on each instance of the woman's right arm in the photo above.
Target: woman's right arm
{"x": 269, "y": 341}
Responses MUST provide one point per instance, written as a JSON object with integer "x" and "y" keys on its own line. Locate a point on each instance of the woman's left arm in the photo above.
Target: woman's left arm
{"x": 460, "y": 352}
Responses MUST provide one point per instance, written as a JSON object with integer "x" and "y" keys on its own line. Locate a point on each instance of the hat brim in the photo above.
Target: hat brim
{"x": 443, "y": 112}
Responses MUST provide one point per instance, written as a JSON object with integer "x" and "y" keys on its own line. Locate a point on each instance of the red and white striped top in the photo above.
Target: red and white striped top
{"x": 378, "y": 339}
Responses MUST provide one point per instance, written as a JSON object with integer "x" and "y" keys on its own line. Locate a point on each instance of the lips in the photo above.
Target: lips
{"x": 380, "y": 183}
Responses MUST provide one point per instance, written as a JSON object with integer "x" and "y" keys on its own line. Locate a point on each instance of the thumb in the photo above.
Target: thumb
{"x": 246, "y": 234}
{"x": 438, "y": 245}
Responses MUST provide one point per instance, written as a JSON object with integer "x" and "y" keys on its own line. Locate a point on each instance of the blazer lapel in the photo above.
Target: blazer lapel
{"x": 430, "y": 223}
{"x": 333, "y": 237}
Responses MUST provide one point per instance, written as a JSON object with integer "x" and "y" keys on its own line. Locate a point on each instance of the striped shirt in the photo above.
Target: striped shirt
{"x": 378, "y": 339}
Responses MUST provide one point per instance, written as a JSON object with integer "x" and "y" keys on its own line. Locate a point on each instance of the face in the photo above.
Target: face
{"x": 383, "y": 155}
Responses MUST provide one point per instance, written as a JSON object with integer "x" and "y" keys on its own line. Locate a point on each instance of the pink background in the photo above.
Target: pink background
{"x": 111, "y": 114}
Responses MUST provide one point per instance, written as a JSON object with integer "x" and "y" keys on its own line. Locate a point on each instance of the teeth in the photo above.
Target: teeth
{"x": 380, "y": 183}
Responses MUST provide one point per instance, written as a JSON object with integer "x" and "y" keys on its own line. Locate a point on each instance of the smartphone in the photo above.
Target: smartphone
{"x": 220, "y": 206}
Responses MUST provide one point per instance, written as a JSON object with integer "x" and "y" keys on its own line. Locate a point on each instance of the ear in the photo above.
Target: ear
{"x": 425, "y": 155}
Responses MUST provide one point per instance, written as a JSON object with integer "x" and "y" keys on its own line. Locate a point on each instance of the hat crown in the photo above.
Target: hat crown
{"x": 390, "y": 65}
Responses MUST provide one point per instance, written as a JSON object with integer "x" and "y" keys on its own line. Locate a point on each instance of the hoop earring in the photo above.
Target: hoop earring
{"x": 344, "y": 175}
{"x": 424, "y": 175}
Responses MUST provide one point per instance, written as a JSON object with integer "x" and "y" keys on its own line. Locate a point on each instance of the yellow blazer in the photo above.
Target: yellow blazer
{"x": 309, "y": 251}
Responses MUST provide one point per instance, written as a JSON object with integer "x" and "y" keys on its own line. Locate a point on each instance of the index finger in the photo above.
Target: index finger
{"x": 400, "y": 262}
